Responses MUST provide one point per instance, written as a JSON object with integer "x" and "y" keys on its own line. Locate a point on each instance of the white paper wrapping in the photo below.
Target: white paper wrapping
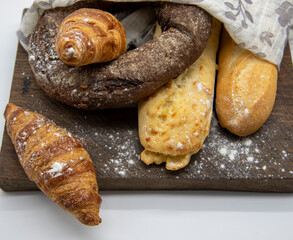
{"x": 261, "y": 26}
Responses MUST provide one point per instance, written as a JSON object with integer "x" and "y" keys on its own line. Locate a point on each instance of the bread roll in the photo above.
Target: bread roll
{"x": 174, "y": 121}
{"x": 246, "y": 88}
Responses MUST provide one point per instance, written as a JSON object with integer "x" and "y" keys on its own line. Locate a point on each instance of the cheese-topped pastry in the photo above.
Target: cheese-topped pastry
{"x": 174, "y": 121}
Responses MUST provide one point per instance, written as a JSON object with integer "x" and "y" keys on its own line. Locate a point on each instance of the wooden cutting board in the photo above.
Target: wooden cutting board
{"x": 261, "y": 162}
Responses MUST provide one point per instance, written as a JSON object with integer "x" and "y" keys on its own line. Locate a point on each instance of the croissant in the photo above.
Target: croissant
{"x": 56, "y": 161}
{"x": 90, "y": 36}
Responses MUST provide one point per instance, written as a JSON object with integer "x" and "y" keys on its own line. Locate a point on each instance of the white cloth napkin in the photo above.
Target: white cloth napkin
{"x": 261, "y": 26}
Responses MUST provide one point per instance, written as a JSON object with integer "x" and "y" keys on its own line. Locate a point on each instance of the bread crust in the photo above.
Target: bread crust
{"x": 133, "y": 75}
{"x": 246, "y": 88}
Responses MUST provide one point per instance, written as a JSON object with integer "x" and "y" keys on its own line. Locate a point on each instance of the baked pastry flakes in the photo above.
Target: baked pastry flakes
{"x": 56, "y": 161}
{"x": 90, "y": 36}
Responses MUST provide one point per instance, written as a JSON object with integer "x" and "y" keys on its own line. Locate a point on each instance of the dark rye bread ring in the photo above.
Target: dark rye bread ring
{"x": 131, "y": 77}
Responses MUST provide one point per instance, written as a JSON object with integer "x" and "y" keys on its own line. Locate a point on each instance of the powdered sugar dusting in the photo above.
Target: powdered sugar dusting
{"x": 70, "y": 52}
{"x": 124, "y": 157}
{"x": 56, "y": 169}
{"x": 117, "y": 149}
{"x": 248, "y": 142}
{"x": 223, "y": 151}
{"x": 179, "y": 145}
{"x": 239, "y": 157}
{"x": 199, "y": 86}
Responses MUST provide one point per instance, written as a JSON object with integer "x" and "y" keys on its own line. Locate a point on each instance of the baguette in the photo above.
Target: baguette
{"x": 246, "y": 88}
{"x": 174, "y": 121}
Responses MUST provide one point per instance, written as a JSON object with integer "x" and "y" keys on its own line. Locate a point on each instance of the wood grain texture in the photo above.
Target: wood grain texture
{"x": 261, "y": 162}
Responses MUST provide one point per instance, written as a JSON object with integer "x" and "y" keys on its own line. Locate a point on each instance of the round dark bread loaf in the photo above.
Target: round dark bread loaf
{"x": 129, "y": 78}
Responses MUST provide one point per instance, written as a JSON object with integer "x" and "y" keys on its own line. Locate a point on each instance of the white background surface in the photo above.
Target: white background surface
{"x": 135, "y": 215}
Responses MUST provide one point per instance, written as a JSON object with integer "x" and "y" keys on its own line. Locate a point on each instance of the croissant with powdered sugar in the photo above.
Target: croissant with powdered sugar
{"x": 56, "y": 161}
{"x": 89, "y": 36}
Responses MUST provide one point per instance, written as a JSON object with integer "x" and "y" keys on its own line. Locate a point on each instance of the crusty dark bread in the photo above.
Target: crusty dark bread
{"x": 132, "y": 76}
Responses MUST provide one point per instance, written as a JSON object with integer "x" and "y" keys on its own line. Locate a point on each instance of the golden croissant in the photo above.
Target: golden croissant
{"x": 56, "y": 161}
{"x": 89, "y": 36}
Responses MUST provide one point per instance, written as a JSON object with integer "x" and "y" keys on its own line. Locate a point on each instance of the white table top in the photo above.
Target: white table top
{"x": 135, "y": 215}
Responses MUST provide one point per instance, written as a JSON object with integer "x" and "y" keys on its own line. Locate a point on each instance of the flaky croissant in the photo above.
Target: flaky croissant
{"x": 90, "y": 36}
{"x": 56, "y": 161}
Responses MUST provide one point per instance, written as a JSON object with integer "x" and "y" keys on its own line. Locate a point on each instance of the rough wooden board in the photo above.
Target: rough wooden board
{"x": 261, "y": 162}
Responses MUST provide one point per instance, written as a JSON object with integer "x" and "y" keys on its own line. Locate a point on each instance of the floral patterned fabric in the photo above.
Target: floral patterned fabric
{"x": 260, "y": 26}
